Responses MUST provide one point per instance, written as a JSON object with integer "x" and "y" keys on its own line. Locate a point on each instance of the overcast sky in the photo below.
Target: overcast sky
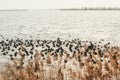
{"x": 55, "y": 4}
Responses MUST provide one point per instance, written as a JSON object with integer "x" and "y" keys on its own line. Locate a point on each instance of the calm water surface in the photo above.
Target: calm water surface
{"x": 50, "y": 24}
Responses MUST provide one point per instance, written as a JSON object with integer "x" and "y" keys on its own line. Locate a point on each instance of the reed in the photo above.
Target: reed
{"x": 62, "y": 66}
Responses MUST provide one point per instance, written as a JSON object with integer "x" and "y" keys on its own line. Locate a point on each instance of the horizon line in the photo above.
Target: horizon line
{"x": 82, "y": 8}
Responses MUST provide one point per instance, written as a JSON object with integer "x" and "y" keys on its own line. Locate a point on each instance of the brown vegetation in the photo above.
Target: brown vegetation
{"x": 62, "y": 66}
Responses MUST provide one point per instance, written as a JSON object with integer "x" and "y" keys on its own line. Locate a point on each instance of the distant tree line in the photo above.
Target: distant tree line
{"x": 91, "y": 8}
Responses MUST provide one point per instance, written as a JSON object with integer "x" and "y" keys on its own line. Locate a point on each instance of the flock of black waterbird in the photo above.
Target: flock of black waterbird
{"x": 12, "y": 47}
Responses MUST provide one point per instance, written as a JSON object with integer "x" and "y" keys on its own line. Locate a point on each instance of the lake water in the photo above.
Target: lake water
{"x": 50, "y": 24}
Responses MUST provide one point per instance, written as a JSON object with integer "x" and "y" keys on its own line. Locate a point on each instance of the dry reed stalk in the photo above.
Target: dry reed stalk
{"x": 71, "y": 74}
{"x": 3, "y": 76}
{"x": 48, "y": 61}
{"x": 60, "y": 75}
{"x": 34, "y": 70}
